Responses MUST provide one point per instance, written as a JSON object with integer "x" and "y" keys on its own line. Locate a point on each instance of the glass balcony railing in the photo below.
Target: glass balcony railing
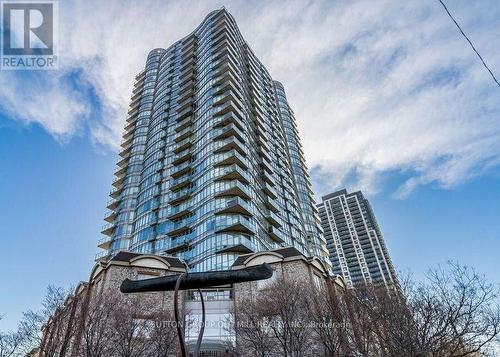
{"x": 183, "y": 134}
{"x": 181, "y": 226}
{"x": 240, "y": 245}
{"x": 182, "y": 156}
{"x": 181, "y": 169}
{"x": 231, "y": 157}
{"x": 184, "y": 123}
{"x": 180, "y": 243}
{"x": 234, "y": 188}
{"x": 101, "y": 255}
{"x": 236, "y": 205}
{"x": 234, "y": 224}
{"x": 233, "y": 172}
{"x": 181, "y": 182}
{"x": 269, "y": 190}
{"x": 105, "y": 243}
{"x": 179, "y": 211}
{"x": 113, "y": 203}
{"x": 108, "y": 229}
{"x": 179, "y": 196}
{"x": 228, "y": 131}
{"x": 275, "y": 234}
{"x": 273, "y": 219}
{"x": 228, "y": 118}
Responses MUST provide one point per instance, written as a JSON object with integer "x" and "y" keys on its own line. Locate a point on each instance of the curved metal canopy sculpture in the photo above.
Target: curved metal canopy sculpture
{"x": 198, "y": 281}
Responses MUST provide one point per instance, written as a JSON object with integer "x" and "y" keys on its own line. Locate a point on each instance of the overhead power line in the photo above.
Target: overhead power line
{"x": 470, "y": 43}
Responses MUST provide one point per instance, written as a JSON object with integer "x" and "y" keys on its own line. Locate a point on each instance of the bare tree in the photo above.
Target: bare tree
{"x": 96, "y": 325}
{"x": 10, "y": 343}
{"x": 331, "y": 324}
{"x": 31, "y": 325}
{"x": 162, "y": 335}
{"x": 251, "y": 325}
{"x": 454, "y": 313}
{"x": 130, "y": 327}
{"x": 276, "y": 321}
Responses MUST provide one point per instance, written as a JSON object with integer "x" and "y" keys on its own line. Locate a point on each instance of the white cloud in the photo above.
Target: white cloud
{"x": 377, "y": 86}
{"x": 50, "y": 102}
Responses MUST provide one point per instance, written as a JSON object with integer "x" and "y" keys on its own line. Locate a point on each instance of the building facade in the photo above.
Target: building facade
{"x": 96, "y": 316}
{"x": 211, "y": 164}
{"x": 354, "y": 240}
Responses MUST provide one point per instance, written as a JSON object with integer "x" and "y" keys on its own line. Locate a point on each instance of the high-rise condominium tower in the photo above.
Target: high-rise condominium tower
{"x": 357, "y": 248}
{"x": 211, "y": 164}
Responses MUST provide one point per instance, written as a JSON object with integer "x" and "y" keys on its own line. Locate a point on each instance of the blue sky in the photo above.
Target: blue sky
{"x": 389, "y": 99}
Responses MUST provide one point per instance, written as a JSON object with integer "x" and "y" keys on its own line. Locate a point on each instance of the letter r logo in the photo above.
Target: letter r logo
{"x": 28, "y": 28}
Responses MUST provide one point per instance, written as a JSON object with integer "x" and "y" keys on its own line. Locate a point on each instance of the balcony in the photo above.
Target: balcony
{"x": 228, "y": 96}
{"x": 190, "y": 62}
{"x": 267, "y": 178}
{"x": 183, "y": 124}
{"x": 228, "y": 118}
{"x": 182, "y": 169}
{"x": 270, "y": 191}
{"x": 177, "y": 212}
{"x": 228, "y": 107}
{"x": 229, "y": 131}
{"x": 118, "y": 181}
{"x": 182, "y": 145}
{"x": 224, "y": 56}
{"x": 183, "y": 156}
{"x": 275, "y": 234}
{"x": 264, "y": 143}
{"x": 262, "y": 135}
{"x": 188, "y": 70}
{"x": 183, "y": 134}
{"x": 233, "y": 172}
{"x": 265, "y": 155}
{"x": 181, "y": 182}
{"x": 108, "y": 229}
{"x": 188, "y": 49}
{"x": 110, "y": 216}
{"x": 113, "y": 203}
{"x": 133, "y": 111}
{"x": 234, "y": 188}
{"x": 180, "y": 196}
{"x": 184, "y": 114}
{"x": 185, "y": 102}
{"x": 224, "y": 77}
{"x": 243, "y": 246}
{"x": 186, "y": 86}
{"x": 273, "y": 218}
{"x": 231, "y": 157}
{"x": 105, "y": 243}
{"x": 102, "y": 255}
{"x": 236, "y": 206}
{"x": 123, "y": 162}
{"x": 229, "y": 144}
{"x": 228, "y": 85}
{"x": 180, "y": 243}
{"x": 271, "y": 205}
{"x": 181, "y": 227}
{"x": 225, "y": 43}
{"x": 126, "y": 142}
{"x": 185, "y": 99}
{"x": 121, "y": 171}
{"x": 115, "y": 193}
{"x": 266, "y": 166}
{"x": 125, "y": 152}
{"x": 240, "y": 224}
